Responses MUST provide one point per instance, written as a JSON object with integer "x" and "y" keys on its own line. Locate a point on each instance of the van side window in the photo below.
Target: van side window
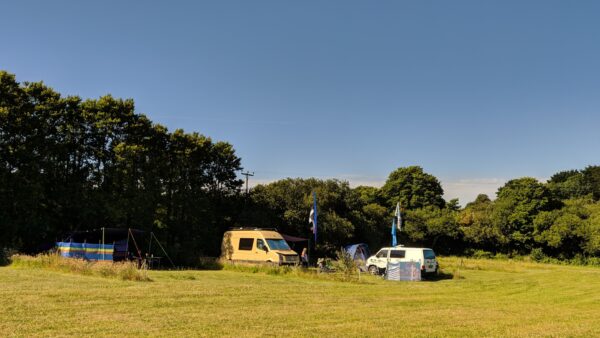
{"x": 397, "y": 254}
{"x": 246, "y": 243}
{"x": 382, "y": 254}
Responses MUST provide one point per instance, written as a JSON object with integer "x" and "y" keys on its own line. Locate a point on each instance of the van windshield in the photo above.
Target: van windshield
{"x": 277, "y": 244}
{"x": 428, "y": 254}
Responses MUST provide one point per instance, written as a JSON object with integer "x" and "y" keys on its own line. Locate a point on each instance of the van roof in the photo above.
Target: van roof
{"x": 403, "y": 247}
{"x": 255, "y": 232}
{"x": 251, "y": 229}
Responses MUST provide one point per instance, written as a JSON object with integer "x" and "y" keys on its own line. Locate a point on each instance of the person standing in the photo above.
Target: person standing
{"x": 304, "y": 257}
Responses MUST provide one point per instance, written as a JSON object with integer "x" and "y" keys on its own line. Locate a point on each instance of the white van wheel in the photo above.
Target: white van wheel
{"x": 374, "y": 270}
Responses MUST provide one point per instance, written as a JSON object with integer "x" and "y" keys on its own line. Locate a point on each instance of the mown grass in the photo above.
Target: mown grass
{"x": 53, "y": 261}
{"x": 490, "y": 299}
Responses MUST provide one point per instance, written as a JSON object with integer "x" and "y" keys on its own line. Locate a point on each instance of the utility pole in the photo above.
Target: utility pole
{"x": 247, "y": 173}
{"x": 245, "y": 210}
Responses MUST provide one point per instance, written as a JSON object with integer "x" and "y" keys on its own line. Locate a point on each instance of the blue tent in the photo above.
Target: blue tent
{"x": 358, "y": 252}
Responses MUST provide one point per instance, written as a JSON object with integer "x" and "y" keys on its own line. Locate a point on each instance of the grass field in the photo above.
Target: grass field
{"x": 486, "y": 298}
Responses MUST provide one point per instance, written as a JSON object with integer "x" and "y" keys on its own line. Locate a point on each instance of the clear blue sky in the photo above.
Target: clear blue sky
{"x": 476, "y": 92}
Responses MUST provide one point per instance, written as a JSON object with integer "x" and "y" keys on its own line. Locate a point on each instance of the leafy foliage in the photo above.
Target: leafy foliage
{"x": 412, "y": 188}
{"x": 519, "y": 201}
{"x": 68, "y": 163}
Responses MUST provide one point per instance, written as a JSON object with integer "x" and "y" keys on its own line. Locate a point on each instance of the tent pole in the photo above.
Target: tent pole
{"x": 136, "y": 246}
{"x": 127, "y": 246}
{"x": 166, "y": 254}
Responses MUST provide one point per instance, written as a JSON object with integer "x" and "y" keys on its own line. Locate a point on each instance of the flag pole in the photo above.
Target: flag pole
{"x": 312, "y": 218}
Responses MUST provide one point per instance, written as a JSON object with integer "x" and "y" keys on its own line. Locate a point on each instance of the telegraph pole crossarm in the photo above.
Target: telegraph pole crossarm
{"x": 247, "y": 173}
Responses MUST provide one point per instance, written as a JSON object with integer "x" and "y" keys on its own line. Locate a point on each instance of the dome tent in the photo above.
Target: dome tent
{"x": 358, "y": 252}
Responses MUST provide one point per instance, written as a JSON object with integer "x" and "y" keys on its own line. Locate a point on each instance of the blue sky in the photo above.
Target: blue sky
{"x": 475, "y": 92}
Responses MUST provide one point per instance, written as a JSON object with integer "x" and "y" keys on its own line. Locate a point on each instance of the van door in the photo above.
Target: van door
{"x": 381, "y": 259}
{"x": 430, "y": 261}
{"x": 261, "y": 250}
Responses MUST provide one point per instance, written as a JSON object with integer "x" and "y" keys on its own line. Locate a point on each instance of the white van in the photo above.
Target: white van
{"x": 377, "y": 263}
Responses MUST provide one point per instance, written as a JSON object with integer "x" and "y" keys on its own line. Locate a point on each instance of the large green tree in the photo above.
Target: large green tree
{"x": 475, "y": 222}
{"x": 570, "y": 231}
{"x": 568, "y": 184}
{"x": 413, "y": 188}
{"x": 518, "y": 203}
{"x": 591, "y": 179}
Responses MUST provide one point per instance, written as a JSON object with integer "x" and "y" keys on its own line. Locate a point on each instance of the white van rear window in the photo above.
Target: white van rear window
{"x": 428, "y": 254}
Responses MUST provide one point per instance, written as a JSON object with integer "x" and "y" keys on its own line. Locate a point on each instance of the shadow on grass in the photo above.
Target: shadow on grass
{"x": 442, "y": 275}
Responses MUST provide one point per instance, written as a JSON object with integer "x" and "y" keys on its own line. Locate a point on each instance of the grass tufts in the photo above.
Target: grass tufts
{"x": 209, "y": 263}
{"x": 55, "y": 262}
{"x": 298, "y": 271}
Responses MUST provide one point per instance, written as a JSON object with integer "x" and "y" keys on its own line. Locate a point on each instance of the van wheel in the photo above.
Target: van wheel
{"x": 374, "y": 270}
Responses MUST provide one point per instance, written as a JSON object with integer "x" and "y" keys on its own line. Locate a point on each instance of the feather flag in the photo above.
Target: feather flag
{"x": 398, "y": 215}
{"x": 313, "y": 216}
{"x": 394, "y": 239}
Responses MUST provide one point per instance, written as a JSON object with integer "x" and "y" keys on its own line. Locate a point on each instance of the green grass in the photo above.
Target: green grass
{"x": 486, "y": 298}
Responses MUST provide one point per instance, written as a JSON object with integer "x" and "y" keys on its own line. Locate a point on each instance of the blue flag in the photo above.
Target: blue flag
{"x": 313, "y": 216}
{"x": 394, "y": 240}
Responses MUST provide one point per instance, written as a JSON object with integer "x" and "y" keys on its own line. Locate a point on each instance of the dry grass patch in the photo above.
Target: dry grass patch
{"x": 121, "y": 270}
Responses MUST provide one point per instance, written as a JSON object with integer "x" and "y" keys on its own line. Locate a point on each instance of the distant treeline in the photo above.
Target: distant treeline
{"x": 71, "y": 164}
{"x": 560, "y": 218}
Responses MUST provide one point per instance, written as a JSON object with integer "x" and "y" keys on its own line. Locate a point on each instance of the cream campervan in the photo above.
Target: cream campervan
{"x": 257, "y": 246}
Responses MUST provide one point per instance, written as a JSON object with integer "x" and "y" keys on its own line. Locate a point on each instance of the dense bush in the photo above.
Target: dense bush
{"x": 482, "y": 254}
{"x": 5, "y": 255}
{"x": 537, "y": 255}
{"x": 345, "y": 265}
{"x": 209, "y": 263}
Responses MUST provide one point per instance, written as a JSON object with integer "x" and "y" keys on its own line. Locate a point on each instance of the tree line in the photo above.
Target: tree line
{"x": 559, "y": 218}
{"x": 72, "y": 164}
